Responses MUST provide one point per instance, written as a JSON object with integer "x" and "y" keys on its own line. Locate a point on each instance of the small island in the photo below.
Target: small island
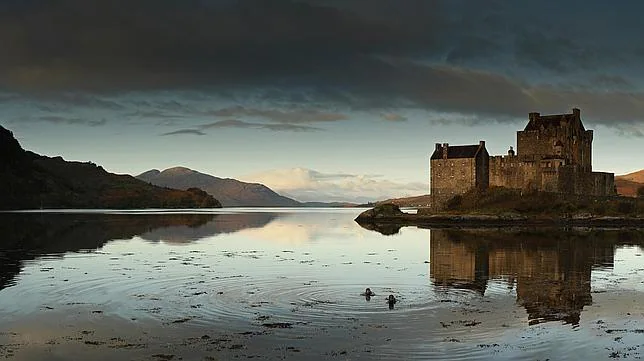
{"x": 549, "y": 180}
{"x": 499, "y": 207}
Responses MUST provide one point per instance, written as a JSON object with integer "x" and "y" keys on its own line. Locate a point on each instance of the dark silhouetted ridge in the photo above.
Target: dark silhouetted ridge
{"x": 30, "y": 181}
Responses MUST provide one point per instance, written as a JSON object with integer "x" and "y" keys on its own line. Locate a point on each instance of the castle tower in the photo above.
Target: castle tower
{"x": 557, "y": 136}
{"x": 457, "y": 169}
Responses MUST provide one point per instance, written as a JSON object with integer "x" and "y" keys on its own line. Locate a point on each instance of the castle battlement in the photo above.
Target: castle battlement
{"x": 554, "y": 154}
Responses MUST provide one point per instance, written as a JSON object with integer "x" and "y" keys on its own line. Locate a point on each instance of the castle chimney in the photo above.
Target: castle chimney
{"x": 445, "y": 148}
{"x": 482, "y": 143}
{"x": 534, "y": 116}
{"x": 438, "y": 146}
{"x": 577, "y": 113}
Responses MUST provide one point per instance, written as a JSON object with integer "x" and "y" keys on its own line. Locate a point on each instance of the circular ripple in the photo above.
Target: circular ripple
{"x": 297, "y": 299}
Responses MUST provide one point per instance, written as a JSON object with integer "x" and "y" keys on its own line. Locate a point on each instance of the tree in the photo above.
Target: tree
{"x": 640, "y": 192}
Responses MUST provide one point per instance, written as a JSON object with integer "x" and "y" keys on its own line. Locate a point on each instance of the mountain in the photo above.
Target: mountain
{"x": 637, "y": 177}
{"x": 230, "y": 192}
{"x": 29, "y": 181}
{"x": 628, "y": 184}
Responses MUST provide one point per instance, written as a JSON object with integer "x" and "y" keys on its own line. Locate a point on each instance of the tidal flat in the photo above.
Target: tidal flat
{"x": 277, "y": 284}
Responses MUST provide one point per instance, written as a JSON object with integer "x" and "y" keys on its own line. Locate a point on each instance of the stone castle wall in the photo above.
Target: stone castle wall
{"x": 569, "y": 140}
{"x": 602, "y": 183}
{"x": 573, "y": 180}
{"x": 483, "y": 170}
{"x": 450, "y": 177}
{"x": 453, "y": 176}
{"x": 548, "y": 176}
{"x": 554, "y": 154}
{"x": 575, "y": 149}
{"x": 549, "y": 180}
{"x": 511, "y": 172}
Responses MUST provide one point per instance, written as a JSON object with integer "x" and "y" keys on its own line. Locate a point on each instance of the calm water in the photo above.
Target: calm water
{"x": 287, "y": 284}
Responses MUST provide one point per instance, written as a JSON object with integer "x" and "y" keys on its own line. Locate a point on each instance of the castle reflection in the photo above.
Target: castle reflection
{"x": 550, "y": 270}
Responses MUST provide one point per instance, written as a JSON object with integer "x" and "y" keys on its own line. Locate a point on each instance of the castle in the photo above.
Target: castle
{"x": 554, "y": 154}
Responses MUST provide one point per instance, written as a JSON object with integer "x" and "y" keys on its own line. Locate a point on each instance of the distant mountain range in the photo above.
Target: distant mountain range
{"x": 230, "y": 192}
{"x": 628, "y": 184}
{"x": 31, "y": 181}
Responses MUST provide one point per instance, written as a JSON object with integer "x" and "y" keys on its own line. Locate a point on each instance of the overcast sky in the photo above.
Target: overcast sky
{"x": 320, "y": 100}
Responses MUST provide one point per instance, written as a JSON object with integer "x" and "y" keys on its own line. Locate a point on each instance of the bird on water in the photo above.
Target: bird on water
{"x": 391, "y": 300}
{"x": 368, "y": 293}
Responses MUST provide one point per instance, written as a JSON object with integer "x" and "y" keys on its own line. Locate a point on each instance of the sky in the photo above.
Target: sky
{"x": 317, "y": 99}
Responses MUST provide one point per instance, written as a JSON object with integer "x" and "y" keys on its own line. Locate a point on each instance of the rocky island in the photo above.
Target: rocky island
{"x": 547, "y": 181}
{"x": 500, "y": 207}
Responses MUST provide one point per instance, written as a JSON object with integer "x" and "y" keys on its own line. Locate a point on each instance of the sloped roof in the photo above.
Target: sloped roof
{"x": 551, "y": 121}
{"x": 457, "y": 151}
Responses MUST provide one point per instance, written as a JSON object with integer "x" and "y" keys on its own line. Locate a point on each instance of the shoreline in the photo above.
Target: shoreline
{"x": 495, "y": 221}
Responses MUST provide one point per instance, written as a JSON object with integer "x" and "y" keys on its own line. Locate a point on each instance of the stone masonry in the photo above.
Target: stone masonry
{"x": 554, "y": 154}
{"x": 457, "y": 169}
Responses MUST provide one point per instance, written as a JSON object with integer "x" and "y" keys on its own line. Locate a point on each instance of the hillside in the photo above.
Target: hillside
{"x": 415, "y": 201}
{"x": 30, "y": 181}
{"x": 230, "y": 192}
{"x": 628, "y": 184}
{"x": 637, "y": 177}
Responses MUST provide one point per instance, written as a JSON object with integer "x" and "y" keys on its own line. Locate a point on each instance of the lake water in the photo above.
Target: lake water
{"x": 286, "y": 284}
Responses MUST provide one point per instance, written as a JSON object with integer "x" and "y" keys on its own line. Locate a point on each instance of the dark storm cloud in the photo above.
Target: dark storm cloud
{"x": 393, "y": 117}
{"x": 60, "y": 101}
{"x": 65, "y": 120}
{"x": 472, "y": 48}
{"x": 279, "y": 116}
{"x": 239, "y": 124}
{"x": 233, "y": 123}
{"x": 154, "y": 114}
{"x": 123, "y": 44}
{"x": 184, "y": 132}
{"x": 354, "y": 54}
{"x": 611, "y": 82}
{"x": 60, "y": 120}
{"x": 553, "y": 52}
